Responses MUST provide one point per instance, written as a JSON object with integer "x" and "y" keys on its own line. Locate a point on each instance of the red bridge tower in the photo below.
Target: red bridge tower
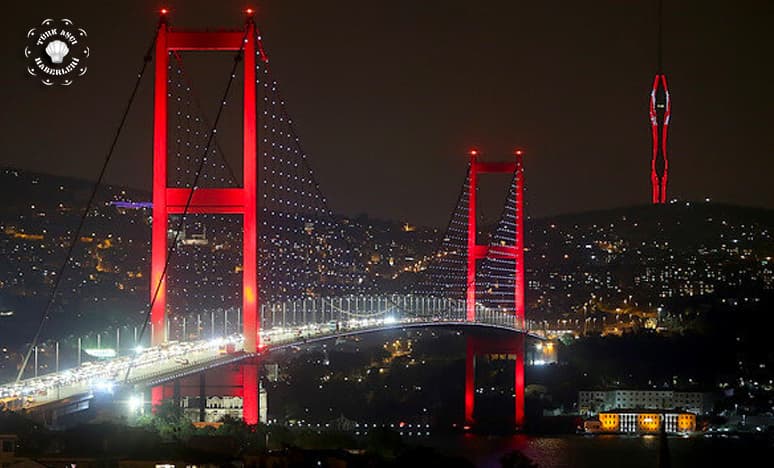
{"x": 168, "y": 201}
{"x": 512, "y": 252}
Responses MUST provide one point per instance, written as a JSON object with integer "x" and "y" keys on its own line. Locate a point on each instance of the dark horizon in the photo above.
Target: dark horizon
{"x": 415, "y": 85}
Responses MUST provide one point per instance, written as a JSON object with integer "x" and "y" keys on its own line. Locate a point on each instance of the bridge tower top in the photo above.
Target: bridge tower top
{"x": 182, "y": 201}
{"x": 514, "y": 252}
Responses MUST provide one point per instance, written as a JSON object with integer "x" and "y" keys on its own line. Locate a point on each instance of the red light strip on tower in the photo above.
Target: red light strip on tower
{"x": 664, "y": 132}
{"x": 659, "y": 128}
{"x": 654, "y": 126}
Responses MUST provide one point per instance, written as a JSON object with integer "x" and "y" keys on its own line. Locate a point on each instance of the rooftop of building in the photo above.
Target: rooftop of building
{"x": 646, "y": 410}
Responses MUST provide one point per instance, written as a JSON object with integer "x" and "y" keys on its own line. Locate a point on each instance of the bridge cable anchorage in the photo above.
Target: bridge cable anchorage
{"x": 68, "y": 258}
{"x": 173, "y": 247}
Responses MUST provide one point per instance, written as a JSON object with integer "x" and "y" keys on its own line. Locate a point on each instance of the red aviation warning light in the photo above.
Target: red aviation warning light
{"x": 164, "y": 11}
{"x": 249, "y": 11}
{"x": 519, "y": 152}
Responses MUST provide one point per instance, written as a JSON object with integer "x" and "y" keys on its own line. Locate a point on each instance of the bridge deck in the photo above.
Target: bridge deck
{"x": 167, "y": 362}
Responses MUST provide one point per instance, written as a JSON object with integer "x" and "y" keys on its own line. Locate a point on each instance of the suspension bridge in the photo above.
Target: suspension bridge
{"x": 300, "y": 281}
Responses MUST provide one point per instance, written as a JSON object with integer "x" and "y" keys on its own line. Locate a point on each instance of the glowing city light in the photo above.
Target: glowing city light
{"x": 135, "y": 403}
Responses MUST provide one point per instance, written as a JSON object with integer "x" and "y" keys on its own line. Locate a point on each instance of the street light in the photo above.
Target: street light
{"x": 135, "y": 403}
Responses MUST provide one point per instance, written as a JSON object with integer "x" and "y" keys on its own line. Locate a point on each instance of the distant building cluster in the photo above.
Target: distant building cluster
{"x": 607, "y": 268}
{"x": 215, "y": 408}
{"x": 592, "y": 402}
{"x": 600, "y": 272}
{"x": 111, "y": 258}
{"x": 629, "y": 421}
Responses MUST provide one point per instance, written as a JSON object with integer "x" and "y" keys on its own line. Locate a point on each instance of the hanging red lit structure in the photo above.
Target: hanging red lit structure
{"x": 660, "y": 108}
{"x": 659, "y": 111}
{"x": 169, "y": 201}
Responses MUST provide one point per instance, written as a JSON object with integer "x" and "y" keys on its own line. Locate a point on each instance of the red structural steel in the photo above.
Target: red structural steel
{"x": 660, "y": 109}
{"x": 238, "y": 380}
{"x": 470, "y": 381}
{"x": 250, "y": 393}
{"x": 476, "y": 346}
{"x": 158, "y": 282}
{"x": 168, "y": 200}
{"x": 519, "y": 308}
{"x": 477, "y": 252}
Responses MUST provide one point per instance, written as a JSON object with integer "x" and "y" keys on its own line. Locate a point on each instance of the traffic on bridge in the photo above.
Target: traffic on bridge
{"x": 151, "y": 365}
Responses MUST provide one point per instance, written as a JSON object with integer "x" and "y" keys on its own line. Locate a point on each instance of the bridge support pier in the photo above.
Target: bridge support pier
{"x": 250, "y": 393}
{"x": 239, "y": 380}
{"x": 476, "y": 346}
{"x": 157, "y": 397}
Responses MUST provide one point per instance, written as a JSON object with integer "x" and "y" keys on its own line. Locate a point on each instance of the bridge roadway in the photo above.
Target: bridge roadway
{"x": 158, "y": 364}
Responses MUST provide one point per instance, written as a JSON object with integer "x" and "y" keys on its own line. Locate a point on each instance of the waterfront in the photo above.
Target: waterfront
{"x": 605, "y": 451}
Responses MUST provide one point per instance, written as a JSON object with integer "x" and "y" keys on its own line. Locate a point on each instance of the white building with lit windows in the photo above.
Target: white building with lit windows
{"x": 591, "y": 402}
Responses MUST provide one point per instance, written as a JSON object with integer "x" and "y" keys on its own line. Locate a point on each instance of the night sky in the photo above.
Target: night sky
{"x": 387, "y": 96}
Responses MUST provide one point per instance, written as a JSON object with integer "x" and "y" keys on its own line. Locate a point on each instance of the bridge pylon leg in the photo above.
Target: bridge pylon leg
{"x": 470, "y": 382}
{"x": 157, "y": 397}
{"x": 250, "y": 393}
{"x": 518, "y": 386}
{"x": 475, "y": 346}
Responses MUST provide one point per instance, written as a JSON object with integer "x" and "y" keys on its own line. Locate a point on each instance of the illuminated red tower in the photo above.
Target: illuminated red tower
{"x": 168, "y": 200}
{"x": 514, "y": 252}
{"x": 476, "y": 346}
{"x": 659, "y": 111}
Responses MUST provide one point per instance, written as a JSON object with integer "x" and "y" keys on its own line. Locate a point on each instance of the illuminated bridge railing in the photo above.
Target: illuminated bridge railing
{"x": 292, "y": 322}
{"x": 399, "y": 307}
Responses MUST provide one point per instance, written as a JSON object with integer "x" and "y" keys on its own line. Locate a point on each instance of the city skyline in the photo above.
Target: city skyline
{"x": 314, "y": 271}
{"x": 434, "y": 81}
{"x": 539, "y": 79}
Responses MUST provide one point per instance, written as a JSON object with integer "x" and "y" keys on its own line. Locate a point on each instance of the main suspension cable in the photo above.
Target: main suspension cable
{"x": 68, "y": 258}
